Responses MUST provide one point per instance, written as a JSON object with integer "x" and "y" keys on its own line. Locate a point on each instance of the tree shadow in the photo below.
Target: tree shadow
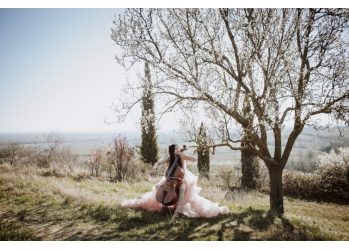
{"x": 141, "y": 225}
{"x": 320, "y": 199}
{"x": 234, "y": 226}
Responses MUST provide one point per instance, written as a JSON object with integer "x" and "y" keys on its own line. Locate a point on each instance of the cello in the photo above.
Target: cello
{"x": 168, "y": 193}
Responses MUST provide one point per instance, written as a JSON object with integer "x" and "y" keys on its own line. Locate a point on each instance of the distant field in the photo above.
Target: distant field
{"x": 309, "y": 143}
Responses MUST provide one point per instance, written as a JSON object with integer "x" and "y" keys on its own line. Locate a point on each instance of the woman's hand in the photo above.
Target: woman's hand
{"x": 153, "y": 170}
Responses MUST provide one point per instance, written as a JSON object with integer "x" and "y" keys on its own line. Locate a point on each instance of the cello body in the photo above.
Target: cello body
{"x": 168, "y": 193}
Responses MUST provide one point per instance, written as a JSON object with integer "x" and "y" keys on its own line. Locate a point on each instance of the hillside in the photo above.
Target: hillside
{"x": 43, "y": 205}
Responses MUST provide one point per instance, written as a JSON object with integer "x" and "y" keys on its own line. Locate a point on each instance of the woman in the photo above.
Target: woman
{"x": 189, "y": 203}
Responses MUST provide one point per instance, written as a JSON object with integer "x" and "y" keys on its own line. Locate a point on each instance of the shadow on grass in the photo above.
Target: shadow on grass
{"x": 250, "y": 224}
{"x": 101, "y": 223}
{"x": 320, "y": 199}
{"x": 10, "y": 231}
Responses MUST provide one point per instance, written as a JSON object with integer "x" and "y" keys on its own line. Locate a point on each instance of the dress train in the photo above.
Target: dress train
{"x": 193, "y": 205}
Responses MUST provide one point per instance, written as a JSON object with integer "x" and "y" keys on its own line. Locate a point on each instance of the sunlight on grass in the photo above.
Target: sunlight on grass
{"x": 35, "y": 206}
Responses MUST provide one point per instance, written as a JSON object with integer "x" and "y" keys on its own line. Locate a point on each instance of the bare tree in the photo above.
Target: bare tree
{"x": 12, "y": 153}
{"x": 291, "y": 64}
{"x": 53, "y": 143}
{"x": 122, "y": 154}
{"x": 68, "y": 158}
{"x": 95, "y": 160}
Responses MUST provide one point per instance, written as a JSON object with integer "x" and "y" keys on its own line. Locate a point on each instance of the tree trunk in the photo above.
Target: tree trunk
{"x": 276, "y": 193}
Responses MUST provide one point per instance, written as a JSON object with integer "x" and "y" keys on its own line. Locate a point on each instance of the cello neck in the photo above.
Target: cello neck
{"x": 173, "y": 167}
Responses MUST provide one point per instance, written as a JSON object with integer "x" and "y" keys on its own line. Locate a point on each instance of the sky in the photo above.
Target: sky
{"x": 58, "y": 71}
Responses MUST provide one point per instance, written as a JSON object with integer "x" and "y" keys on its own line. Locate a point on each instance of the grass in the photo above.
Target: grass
{"x": 72, "y": 206}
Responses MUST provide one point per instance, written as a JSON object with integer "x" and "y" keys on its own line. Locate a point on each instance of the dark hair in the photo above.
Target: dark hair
{"x": 171, "y": 150}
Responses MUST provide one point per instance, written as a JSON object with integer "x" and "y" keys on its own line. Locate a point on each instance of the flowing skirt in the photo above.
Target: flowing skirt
{"x": 193, "y": 205}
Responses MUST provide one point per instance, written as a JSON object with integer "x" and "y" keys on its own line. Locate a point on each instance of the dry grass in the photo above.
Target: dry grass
{"x": 47, "y": 205}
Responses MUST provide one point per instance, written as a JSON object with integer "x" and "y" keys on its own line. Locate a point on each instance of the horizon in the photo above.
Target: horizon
{"x": 135, "y": 130}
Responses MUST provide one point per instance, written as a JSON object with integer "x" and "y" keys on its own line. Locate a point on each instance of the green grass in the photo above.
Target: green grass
{"x": 34, "y": 206}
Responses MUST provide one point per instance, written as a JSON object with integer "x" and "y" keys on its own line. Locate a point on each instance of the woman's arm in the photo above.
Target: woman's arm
{"x": 163, "y": 161}
{"x": 186, "y": 157}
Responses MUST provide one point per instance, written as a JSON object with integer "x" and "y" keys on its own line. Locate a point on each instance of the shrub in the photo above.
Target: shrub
{"x": 137, "y": 170}
{"x": 51, "y": 155}
{"x": 229, "y": 177}
{"x": 126, "y": 166}
{"x": 94, "y": 160}
{"x": 334, "y": 171}
{"x": 330, "y": 180}
{"x": 118, "y": 163}
{"x": 13, "y": 153}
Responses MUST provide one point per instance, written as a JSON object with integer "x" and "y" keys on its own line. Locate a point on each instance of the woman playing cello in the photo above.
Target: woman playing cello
{"x": 189, "y": 202}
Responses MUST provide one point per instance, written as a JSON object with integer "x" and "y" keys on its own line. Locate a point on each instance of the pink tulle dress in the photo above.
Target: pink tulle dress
{"x": 193, "y": 205}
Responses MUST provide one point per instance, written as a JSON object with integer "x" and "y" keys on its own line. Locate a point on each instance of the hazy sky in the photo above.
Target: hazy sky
{"x": 58, "y": 70}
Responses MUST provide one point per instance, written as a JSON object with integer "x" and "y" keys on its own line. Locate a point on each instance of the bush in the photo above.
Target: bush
{"x": 51, "y": 155}
{"x": 13, "y": 153}
{"x": 117, "y": 164}
{"x": 330, "y": 180}
{"x": 230, "y": 177}
{"x": 137, "y": 170}
{"x": 121, "y": 155}
{"x": 126, "y": 166}
{"x": 94, "y": 160}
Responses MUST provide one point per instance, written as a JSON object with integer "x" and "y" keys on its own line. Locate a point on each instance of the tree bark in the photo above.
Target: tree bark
{"x": 276, "y": 192}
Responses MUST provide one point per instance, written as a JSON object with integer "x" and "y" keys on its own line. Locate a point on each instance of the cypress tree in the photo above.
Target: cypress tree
{"x": 249, "y": 163}
{"x": 149, "y": 147}
{"x": 203, "y": 152}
